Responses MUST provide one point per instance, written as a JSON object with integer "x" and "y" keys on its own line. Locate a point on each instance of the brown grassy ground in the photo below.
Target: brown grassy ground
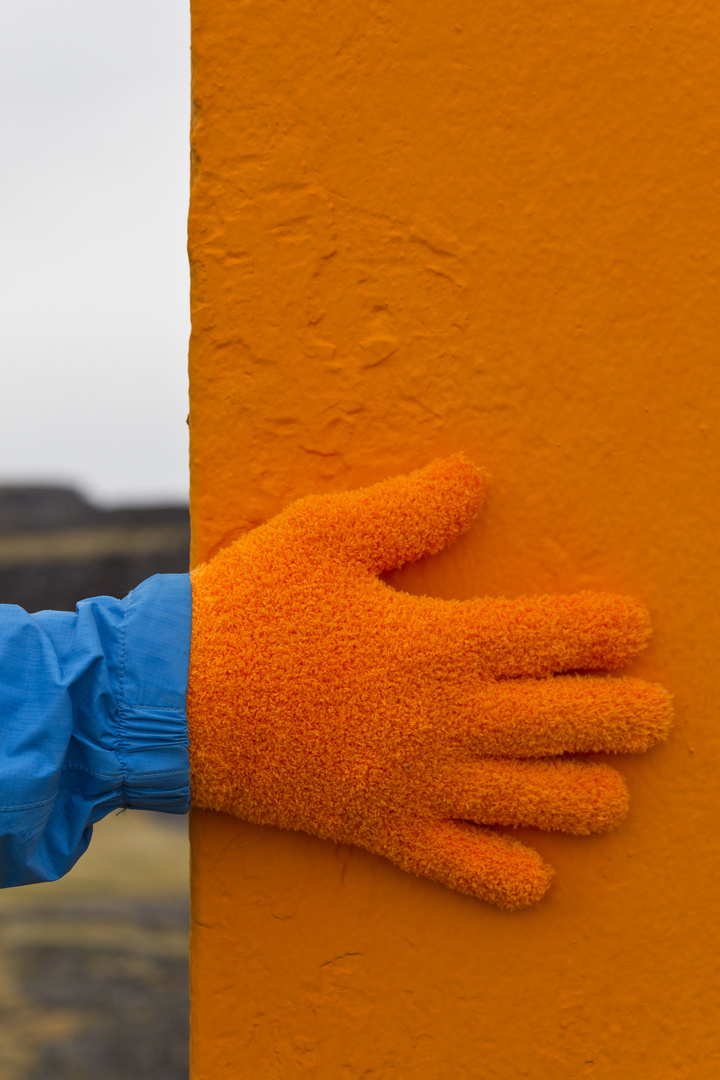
{"x": 93, "y": 968}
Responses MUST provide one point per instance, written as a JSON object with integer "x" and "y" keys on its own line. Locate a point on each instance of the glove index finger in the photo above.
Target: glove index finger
{"x": 401, "y": 519}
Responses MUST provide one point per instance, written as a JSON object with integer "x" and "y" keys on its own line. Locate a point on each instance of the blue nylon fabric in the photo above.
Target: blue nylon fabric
{"x": 92, "y": 719}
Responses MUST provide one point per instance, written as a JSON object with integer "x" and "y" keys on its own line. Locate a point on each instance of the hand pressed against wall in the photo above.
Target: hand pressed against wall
{"x": 322, "y": 700}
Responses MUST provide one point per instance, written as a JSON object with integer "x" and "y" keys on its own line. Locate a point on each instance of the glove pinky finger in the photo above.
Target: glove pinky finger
{"x": 473, "y": 860}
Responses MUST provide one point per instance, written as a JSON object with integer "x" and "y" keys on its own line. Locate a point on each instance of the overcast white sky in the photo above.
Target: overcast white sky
{"x": 94, "y": 113}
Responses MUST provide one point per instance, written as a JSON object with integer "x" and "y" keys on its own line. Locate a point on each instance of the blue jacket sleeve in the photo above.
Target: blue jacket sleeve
{"x": 92, "y": 718}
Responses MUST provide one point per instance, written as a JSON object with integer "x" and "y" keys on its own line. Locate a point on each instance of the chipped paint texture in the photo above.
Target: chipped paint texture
{"x": 419, "y": 227}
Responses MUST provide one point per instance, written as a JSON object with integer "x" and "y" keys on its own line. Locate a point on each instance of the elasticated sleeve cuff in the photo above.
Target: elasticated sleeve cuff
{"x": 92, "y": 719}
{"x": 152, "y": 722}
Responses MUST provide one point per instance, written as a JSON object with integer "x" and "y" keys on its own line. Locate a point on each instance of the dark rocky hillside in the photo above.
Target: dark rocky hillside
{"x": 56, "y": 548}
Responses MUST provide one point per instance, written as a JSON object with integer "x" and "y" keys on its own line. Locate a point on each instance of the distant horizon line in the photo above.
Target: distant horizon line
{"x": 123, "y": 500}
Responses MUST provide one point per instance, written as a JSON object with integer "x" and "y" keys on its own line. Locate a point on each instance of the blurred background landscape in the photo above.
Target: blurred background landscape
{"x": 94, "y": 322}
{"x": 94, "y": 967}
{"x": 56, "y": 549}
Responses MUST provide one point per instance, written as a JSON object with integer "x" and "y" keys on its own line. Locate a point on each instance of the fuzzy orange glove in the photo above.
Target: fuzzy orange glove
{"x": 321, "y": 699}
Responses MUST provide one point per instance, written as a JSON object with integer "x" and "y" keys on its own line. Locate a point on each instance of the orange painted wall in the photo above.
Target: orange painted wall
{"x": 417, "y": 227}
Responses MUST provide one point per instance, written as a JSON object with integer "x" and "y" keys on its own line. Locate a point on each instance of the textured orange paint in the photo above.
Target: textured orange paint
{"x": 416, "y": 228}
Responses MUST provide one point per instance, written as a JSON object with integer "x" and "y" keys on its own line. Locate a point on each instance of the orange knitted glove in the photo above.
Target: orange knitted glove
{"x": 321, "y": 699}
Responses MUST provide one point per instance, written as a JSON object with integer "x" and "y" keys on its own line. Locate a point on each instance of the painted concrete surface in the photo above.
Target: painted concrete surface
{"x": 419, "y": 228}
